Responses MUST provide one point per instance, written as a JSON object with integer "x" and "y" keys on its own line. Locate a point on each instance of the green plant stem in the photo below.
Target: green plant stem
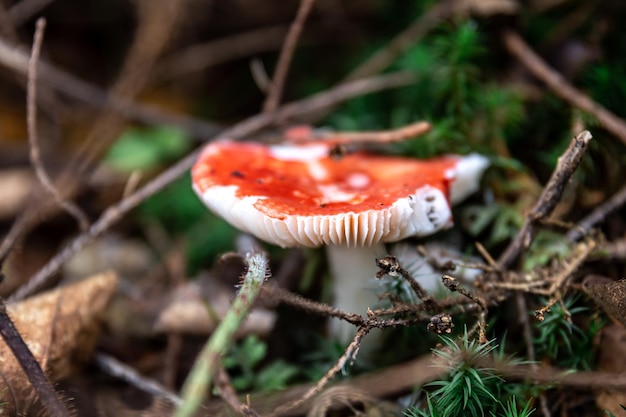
{"x": 201, "y": 376}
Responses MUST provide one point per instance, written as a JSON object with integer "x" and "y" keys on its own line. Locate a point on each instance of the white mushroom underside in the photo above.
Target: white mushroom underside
{"x": 422, "y": 213}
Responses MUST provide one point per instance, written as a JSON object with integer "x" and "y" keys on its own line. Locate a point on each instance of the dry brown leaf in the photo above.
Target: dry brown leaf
{"x": 608, "y": 294}
{"x": 60, "y": 328}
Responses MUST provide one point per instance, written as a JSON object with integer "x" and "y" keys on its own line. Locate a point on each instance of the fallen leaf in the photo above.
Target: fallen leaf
{"x": 60, "y": 328}
{"x": 609, "y": 295}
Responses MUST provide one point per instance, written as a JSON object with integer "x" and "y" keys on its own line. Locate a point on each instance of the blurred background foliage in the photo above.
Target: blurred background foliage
{"x": 476, "y": 96}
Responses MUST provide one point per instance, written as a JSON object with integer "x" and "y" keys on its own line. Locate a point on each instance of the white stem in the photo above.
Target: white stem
{"x": 354, "y": 287}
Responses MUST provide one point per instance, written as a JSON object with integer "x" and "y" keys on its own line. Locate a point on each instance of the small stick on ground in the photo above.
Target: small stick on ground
{"x": 31, "y": 367}
{"x": 286, "y": 53}
{"x": 33, "y": 141}
{"x": 566, "y": 165}
{"x": 113, "y": 367}
{"x": 228, "y": 394}
{"x": 349, "y": 355}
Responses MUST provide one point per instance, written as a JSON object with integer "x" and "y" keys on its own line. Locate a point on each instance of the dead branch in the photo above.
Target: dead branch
{"x": 29, "y": 364}
{"x": 15, "y": 59}
{"x": 33, "y": 141}
{"x": 349, "y": 355}
{"x": 566, "y": 165}
{"x": 113, "y": 367}
{"x": 206, "y": 55}
{"x": 228, "y": 394}
{"x": 297, "y": 301}
{"x": 383, "y": 383}
{"x": 286, "y": 53}
{"x": 382, "y": 136}
{"x": 597, "y": 215}
{"x": 518, "y": 48}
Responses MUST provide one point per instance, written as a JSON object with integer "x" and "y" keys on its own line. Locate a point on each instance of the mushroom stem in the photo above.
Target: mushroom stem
{"x": 354, "y": 286}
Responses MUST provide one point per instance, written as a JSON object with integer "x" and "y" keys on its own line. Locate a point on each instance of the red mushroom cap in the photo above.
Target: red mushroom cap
{"x": 297, "y": 195}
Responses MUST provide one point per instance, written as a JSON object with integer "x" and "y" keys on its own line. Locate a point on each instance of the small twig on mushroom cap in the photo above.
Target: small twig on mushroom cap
{"x": 381, "y": 136}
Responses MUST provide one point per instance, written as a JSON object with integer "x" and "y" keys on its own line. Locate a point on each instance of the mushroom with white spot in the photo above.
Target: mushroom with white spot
{"x": 299, "y": 195}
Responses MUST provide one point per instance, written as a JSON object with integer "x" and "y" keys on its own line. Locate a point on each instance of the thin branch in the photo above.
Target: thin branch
{"x": 228, "y": 394}
{"x": 518, "y": 48}
{"x": 284, "y": 296}
{"x": 31, "y": 367}
{"x": 286, "y": 54}
{"x": 203, "y": 56}
{"x": 114, "y": 213}
{"x": 349, "y": 355}
{"x": 33, "y": 141}
{"x": 382, "y": 136}
{"x": 17, "y": 60}
{"x": 120, "y": 370}
{"x": 551, "y": 195}
{"x": 597, "y": 215}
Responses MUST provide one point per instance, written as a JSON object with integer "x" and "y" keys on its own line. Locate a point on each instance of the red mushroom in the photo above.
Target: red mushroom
{"x": 300, "y": 195}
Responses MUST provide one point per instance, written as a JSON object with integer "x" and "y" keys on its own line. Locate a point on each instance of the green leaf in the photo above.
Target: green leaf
{"x": 145, "y": 148}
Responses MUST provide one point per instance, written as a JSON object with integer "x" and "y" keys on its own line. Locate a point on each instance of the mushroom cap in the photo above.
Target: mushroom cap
{"x": 298, "y": 195}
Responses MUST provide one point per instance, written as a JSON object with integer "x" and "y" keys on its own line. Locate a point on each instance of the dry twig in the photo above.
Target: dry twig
{"x": 551, "y": 195}
{"x": 33, "y": 141}
{"x": 349, "y": 355}
{"x": 206, "y": 55}
{"x": 29, "y": 364}
{"x": 228, "y": 394}
{"x": 597, "y": 215}
{"x": 112, "y": 366}
{"x": 17, "y": 60}
{"x": 286, "y": 53}
{"x": 516, "y": 46}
